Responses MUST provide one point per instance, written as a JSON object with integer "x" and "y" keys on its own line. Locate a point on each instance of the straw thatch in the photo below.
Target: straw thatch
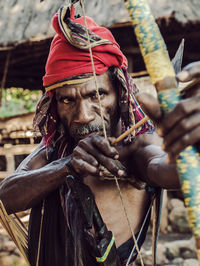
{"x": 26, "y": 29}
{"x": 25, "y": 20}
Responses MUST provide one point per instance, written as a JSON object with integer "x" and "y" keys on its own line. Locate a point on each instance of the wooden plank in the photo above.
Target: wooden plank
{"x": 18, "y": 149}
{"x": 9, "y": 151}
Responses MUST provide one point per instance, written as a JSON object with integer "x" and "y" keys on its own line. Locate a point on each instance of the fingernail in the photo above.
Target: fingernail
{"x": 168, "y": 160}
{"x": 121, "y": 173}
{"x": 95, "y": 163}
{"x": 116, "y": 156}
{"x": 160, "y": 133}
{"x": 183, "y": 75}
{"x": 101, "y": 173}
{"x": 163, "y": 146}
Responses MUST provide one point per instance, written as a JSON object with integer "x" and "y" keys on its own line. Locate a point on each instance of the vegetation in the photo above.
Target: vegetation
{"x": 16, "y": 101}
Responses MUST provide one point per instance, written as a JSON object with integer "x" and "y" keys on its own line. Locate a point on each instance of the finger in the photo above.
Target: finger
{"x": 189, "y": 72}
{"x": 112, "y": 143}
{"x": 182, "y": 110}
{"x": 150, "y": 106}
{"x": 80, "y": 153}
{"x": 188, "y": 139}
{"x": 111, "y": 165}
{"x": 186, "y": 125}
{"x": 100, "y": 143}
{"x": 82, "y": 167}
{"x": 104, "y": 146}
{"x": 125, "y": 151}
{"x": 102, "y": 159}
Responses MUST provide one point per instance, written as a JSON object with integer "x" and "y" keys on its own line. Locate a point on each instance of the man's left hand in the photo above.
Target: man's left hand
{"x": 93, "y": 151}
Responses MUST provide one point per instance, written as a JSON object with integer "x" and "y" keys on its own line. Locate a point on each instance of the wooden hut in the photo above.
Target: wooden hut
{"x": 26, "y": 33}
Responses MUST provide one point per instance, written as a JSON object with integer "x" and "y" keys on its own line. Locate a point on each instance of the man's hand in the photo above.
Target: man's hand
{"x": 92, "y": 152}
{"x": 181, "y": 126}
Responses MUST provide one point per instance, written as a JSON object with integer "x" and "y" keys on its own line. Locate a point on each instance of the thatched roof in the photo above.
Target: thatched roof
{"x": 30, "y": 20}
{"x": 26, "y": 29}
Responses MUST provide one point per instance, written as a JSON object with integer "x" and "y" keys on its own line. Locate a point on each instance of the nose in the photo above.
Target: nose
{"x": 84, "y": 113}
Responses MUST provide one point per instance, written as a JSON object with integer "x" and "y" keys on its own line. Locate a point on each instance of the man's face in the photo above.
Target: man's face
{"x": 78, "y": 107}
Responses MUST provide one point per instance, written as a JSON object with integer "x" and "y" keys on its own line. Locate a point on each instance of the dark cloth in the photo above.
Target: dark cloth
{"x": 56, "y": 243}
{"x": 53, "y": 236}
{"x": 125, "y": 249}
{"x": 56, "y": 246}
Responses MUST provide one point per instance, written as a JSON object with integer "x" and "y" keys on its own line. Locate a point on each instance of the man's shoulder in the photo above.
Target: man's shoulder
{"x": 35, "y": 160}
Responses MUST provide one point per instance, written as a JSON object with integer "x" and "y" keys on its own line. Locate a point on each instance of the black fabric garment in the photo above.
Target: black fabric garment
{"x": 125, "y": 249}
{"x": 57, "y": 247}
{"x": 54, "y": 233}
{"x": 57, "y": 243}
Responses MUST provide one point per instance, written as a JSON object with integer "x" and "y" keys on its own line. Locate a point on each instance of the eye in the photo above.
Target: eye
{"x": 102, "y": 93}
{"x": 67, "y": 100}
{"x": 94, "y": 95}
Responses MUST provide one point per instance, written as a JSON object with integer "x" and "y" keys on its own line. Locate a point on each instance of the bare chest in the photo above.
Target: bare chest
{"x": 108, "y": 200}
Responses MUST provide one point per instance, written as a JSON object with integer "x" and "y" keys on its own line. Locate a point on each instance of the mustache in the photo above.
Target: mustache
{"x": 86, "y": 129}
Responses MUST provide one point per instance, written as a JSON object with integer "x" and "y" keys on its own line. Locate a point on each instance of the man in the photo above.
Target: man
{"x": 70, "y": 120}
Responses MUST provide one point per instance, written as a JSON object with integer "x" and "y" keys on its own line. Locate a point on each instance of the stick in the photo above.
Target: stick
{"x": 126, "y": 133}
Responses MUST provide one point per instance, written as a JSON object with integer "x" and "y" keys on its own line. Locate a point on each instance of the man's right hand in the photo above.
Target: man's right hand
{"x": 92, "y": 152}
{"x": 181, "y": 126}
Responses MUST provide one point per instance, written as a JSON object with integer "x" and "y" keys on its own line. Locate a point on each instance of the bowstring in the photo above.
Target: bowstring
{"x": 105, "y": 135}
{"x": 93, "y": 69}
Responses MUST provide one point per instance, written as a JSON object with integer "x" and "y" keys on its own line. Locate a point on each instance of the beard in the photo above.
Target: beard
{"x": 77, "y": 132}
{"x": 85, "y": 130}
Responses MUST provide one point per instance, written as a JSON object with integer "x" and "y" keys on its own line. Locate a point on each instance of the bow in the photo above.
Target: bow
{"x": 162, "y": 74}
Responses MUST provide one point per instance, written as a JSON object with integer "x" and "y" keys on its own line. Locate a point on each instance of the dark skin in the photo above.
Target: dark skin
{"x": 78, "y": 106}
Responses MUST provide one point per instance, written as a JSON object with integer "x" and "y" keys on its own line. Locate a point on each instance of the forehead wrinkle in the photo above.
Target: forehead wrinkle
{"x": 66, "y": 91}
{"x": 86, "y": 87}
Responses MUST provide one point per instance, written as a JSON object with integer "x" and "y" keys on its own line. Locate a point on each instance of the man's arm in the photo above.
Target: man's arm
{"x": 32, "y": 181}
{"x": 153, "y": 167}
{"x": 147, "y": 161}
